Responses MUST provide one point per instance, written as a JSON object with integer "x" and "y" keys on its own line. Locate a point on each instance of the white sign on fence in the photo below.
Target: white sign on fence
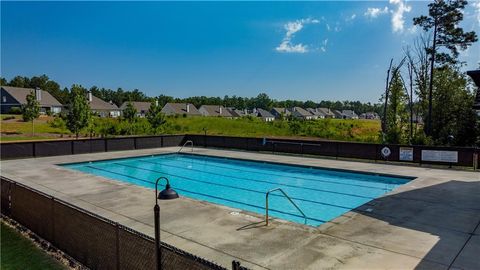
{"x": 406, "y": 153}
{"x": 385, "y": 152}
{"x": 440, "y": 156}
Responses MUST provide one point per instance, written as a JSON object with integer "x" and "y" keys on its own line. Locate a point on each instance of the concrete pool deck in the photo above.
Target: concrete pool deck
{"x": 431, "y": 222}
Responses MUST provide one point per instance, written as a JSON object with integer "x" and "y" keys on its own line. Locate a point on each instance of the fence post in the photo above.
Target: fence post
{"x": 235, "y": 265}
{"x": 134, "y": 142}
{"x": 117, "y": 251}
{"x": 475, "y": 161}
{"x": 336, "y": 148}
{"x": 52, "y": 219}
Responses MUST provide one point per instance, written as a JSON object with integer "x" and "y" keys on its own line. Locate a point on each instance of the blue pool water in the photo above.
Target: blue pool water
{"x": 322, "y": 194}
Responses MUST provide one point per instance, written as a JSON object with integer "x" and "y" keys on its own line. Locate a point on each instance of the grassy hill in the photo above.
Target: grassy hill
{"x": 332, "y": 129}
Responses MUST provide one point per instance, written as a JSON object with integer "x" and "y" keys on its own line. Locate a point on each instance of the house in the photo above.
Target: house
{"x": 337, "y": 114}
{"x": 215, "y": 110}
{"x": 317, "y": 113}
{"x": 280, "y": 113}
{"x": 102, "y": 108}
{"x": 141, "y": 107}
{"x": 349, "y": 114}
{"x": 264, "y": 115}
{"x": 236, "y": 113}
{"x": 369, "y": 115}
{"x": 326, "y": 112}
{"x": 301, "y": 113}
{"x": 16, "y": 97}
{"x": 186, "y": 109}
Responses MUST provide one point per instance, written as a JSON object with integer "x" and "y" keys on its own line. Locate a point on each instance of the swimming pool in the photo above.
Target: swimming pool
{"x": 321, "y": 194}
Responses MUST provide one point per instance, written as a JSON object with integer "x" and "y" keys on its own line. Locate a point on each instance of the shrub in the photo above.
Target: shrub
{"x": 10, "y": 117}
{"x": 15, "y": 110}
{"x": 57, "y": 122}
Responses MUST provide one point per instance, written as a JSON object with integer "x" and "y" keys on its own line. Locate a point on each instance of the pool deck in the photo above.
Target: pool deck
{"x": 431, "y": 222}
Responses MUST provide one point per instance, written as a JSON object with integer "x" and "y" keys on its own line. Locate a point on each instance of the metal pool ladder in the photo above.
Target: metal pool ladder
{"x": 187, "y": 142}
{"x": 288, "y": 197}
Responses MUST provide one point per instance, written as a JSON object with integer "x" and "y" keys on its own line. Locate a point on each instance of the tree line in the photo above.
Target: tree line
{"x": 428, "y": 82}
{"x": 119, "y": 96}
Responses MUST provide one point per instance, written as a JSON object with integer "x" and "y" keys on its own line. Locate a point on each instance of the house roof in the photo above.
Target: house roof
{"x": 99, "y": 104}
{"x": 299, "y": 111}
{"x": 337, "y": 113}
{"x": 138, "y": 105}
{"x": 265, "y": 114}
{"x": 320, "y": 111}
{"x": 214, "y": 110}
{"x": 181, "y": 108}
{"x": 277, "y": 110}
{"x": 349, "y": 113}
{"x": 20, "y": 94}
{"x": 326, "y": 111}
{"x": 235, "y": 112}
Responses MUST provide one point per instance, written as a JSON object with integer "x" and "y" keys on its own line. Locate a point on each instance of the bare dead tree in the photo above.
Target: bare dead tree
{"x": 418, "y": 73}
{"x": 387, "y": 87}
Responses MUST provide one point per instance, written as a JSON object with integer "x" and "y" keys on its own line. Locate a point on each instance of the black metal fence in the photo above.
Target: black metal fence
{"x": 466, "y": 156}
{"x": 94, "y": 241}
{"x": 12, "y": 150}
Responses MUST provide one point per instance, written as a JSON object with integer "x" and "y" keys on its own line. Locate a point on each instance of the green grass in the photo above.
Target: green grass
{"x": 18, "y": 252}
{"x": 331, "y": 129}
{"x": 24, "y": 138}
{"x": 26, "y": 127}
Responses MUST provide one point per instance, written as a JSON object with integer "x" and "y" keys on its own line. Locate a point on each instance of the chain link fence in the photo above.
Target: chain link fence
{"x": 92, "y": 240}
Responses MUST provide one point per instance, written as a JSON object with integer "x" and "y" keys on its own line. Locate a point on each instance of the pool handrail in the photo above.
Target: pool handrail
{"x": 189, "y": 141}
{"x": 288, "y": 197}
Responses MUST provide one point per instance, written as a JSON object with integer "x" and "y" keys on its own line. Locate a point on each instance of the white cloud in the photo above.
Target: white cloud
{"x": 337, "y": 27}
{"x": 291, "y": 28}
{"x": 375, "y": 12}
{"x": 398, "y": 21}
{"x": 323, "y": 48}
{"x": 351, "y": 18}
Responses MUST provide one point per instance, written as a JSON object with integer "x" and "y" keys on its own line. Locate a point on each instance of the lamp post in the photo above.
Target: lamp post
{"x": 166, "y": 194}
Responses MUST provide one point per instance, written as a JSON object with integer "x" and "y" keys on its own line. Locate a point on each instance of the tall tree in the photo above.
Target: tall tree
{"x": 19, "y": 81}
{"x": 396, "y": 109}
{"x": 263, "y": 101}
{"x": 79, "y": 115}
{"x": 452, "y": 109}
{"x": 155, "y": 116}
{"x": 31, "y": 110}
{"x": 443, "y": 20}
{"x": 130, "y": 113}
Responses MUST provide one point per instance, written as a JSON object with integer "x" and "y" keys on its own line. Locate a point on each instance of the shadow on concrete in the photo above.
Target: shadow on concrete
{"x": 450, "y": 211}
{"x": 253, "y": 225}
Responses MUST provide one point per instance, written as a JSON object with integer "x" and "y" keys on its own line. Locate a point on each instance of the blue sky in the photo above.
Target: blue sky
{"x": 289, "y": 50}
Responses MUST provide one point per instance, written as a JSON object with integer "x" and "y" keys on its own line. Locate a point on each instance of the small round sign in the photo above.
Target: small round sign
{"x": 386, "y": 152}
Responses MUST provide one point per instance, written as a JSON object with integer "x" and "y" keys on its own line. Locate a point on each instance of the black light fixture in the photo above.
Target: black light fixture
{"x": 167, "y": 194}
